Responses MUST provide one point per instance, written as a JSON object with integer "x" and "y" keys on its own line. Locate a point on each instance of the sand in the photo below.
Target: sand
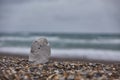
{"x": 19, "y": 68}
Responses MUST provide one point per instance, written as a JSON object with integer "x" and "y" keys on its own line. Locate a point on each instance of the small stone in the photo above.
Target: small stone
{"x": 71, "y": 77}
{"x": 56, "y": 77}
{"x": 110, "y": 74}
{"x": 56, "y": 71}
{"x": 40, "y": 51}
{"x": 114, "y": 69}
{"x": 78, "y": 76}
{"x": 90, "y": 64}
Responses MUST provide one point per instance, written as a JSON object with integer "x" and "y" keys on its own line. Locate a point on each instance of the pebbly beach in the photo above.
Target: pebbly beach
{"x": 19, "y": 68}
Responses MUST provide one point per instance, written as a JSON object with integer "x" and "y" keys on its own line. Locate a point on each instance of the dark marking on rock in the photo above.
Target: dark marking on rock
{"x": 39, "y": 47}
{"x": 32, "y": 51}
{"x": 35, "y": 41}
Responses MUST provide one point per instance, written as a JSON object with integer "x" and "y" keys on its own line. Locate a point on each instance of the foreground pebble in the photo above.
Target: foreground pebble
{"x": 15, "y": 68}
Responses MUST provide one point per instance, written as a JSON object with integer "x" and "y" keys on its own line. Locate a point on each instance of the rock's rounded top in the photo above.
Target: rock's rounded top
{"x": 42, "y": 41}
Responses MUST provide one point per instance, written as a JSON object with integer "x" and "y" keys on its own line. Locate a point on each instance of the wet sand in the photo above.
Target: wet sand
{"x": 19, "y": 68}
{"x": 23, "y": 55}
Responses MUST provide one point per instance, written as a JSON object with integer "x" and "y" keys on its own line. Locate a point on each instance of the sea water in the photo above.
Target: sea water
{"x": 70, "y": 43}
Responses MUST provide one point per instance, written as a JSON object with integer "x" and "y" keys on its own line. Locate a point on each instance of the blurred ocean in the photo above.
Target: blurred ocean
{"x": 62, "y": 42}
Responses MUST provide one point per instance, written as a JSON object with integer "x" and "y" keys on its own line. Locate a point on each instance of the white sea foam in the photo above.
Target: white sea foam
{"x": 15, "y": 50}
{"x": 96, "y": 54}
{"x": 58, "y": 51}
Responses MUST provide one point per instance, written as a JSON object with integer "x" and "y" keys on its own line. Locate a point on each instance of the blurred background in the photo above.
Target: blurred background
{"x": 71, "y": 26}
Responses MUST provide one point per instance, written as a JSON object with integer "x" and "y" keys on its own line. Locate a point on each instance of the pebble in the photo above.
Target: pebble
{"x": 40, "y": 51}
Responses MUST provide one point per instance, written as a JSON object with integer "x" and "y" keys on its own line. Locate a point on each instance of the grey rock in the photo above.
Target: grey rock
{"x": 40, "y": 51}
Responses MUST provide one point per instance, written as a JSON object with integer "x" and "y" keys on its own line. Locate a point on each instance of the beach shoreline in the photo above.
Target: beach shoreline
{"x": 52, "y": 57}
{"x": 18, "y": 67}
{"x": 11, "y": 54}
